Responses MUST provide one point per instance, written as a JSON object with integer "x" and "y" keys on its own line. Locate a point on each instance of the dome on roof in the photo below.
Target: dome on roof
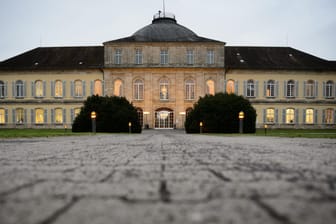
{"x": 164, "y": 28}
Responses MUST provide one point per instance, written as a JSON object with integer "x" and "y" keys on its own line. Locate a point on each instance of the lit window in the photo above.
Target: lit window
{"x": 39, "y": 116}
{"x": 140, "y": 116}
{"x": 58, "y": 115}
{"x": 138, "y": 90}
{"x": 309, "y": 119}
{"x": 270, "y": 115}
{"x": 19, "y": 116}
{"x": 290, "y": 89}
{"x": 98, "y": 88}
{"x": 118, "y": 88}
{"x": 164, "y": 57}
{"x": 189, "y": 89}
{"x": 210, "y": 57}
{"x": 250, "y": 89}
{"x": 210, "y": 87}
{"x": 138, "y": 56}
{"x": 329, "y": 116}
{"x": 38, "y": 88}
{"x": 117, "y": 56}
{"x": 78, "y": 88}
{"x": 19, "y": 88}
{"x": 270, "y": 88}
{"x": 290, "y": 115}
{"x": 190, "y": 57}
{"x": 230, "y": 87}
{"x": 58, "y": 88}
{"x": 164, "y": 93}
{"x": 2, "y": 116}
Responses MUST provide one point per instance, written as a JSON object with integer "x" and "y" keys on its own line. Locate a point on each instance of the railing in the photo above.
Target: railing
{"x": 164, "y": 15}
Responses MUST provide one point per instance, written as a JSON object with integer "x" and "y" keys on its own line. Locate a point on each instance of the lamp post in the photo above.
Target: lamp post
{"x": 93, "y": 119}
{"x": 129, "y": 127}
{"x": 265, "y": 127}
{"x": 201, "y": 127}
{"x": 241, "y": 120}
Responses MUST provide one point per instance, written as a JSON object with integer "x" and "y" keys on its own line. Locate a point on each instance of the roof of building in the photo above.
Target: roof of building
{"x": 164, "y": 28}
{"x": 45, "y": 58}
{"x": 281, "y": 58}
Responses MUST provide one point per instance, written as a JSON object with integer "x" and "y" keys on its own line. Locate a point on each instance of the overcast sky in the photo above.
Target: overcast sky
{"x": 307, "y": 25}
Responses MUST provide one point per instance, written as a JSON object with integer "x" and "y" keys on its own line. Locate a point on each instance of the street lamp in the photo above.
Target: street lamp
{"x": 129, "y": 127}
{"x": 93, "y": 119}
{"x": 241, "y": 119}
{"x": 265, "y": 127}
{"x": 201, "y": 127}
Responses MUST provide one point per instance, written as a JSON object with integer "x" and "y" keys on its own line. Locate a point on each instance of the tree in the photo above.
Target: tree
{"x": 113, "y": 115}
{"x": 219, "y": 114}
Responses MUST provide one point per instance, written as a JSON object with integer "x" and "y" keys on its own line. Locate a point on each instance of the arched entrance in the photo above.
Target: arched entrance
{"x": 164, "y": 119}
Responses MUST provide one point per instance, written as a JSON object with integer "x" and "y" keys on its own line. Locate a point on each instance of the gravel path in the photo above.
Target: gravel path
{"x": 167, "y": 177}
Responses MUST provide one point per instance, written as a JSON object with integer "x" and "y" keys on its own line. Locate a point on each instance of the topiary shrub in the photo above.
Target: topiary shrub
{"x": 113, "y": 115}
{"x": 219, "y": 114}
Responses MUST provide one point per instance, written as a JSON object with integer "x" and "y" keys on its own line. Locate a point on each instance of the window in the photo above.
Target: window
{"x": 38, "y": 91}
{"x": 164, "y": 57}
{"x": 270, "y": 88}
{"x": 19, "y": 116}
{"x": 190, "y": 57}
{"x": 39, "y": 116}
{"x": 309, "y": 116}
{"x": 117, "y": 56}
{"x": 290, "y": 88}
{"x": 74, "y": 113}
{"x": 19, "y": 88}
{"x": 98, "y": 87}
{"x": 164, "y": 93}
{"x": 138, "y": 89}
{"x": 140, "y": 116}
{"x": 290, "y": 116}
{"x": 328, "y": 116}
{"x": 58, "y": 88}
{"x": 309, "y": 88}
{"x": 78, "y": 88}
{"x": 2, "y": 116}
{"x": 58, "y": 115}
{"x": 270, "y": 115}
{"x": 250, "y": 88}
{"x": 230, "y": 86}
{"x": 3, "y": 89}
{"x": 189, "y": 89}
{"x": 210, "y": 57}
{"x": 138, "y": 56}
{"x": 210, "y": 87}
{"x": 118, "y": 88}
{"x": 328, "y": 89}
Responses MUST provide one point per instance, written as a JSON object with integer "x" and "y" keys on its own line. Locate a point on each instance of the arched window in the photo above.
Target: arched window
{"x": 78, "y": 88}
{"x": 138, "y": 89}
{"x": 58, "y": 115}
{"x": 329, "y": 89}
{"x": 210, "y": 87}
{"x": 189, "y": 89}
{"x": 309, "y": 118}
{"x": 38, "y": 88}
{"x": 328, "y": 116}
{"x": 19, "y": 116}
{"x": 118, "y": 88}
{"x": 19, "y": 88}
{"x": 290, "y": 116}
{"x": 230, "y": 86}
{"x": 39, "y": 116}
{"x": 164, "y": 89}
{"x": 2, "y": 89}
{"x": 98, "y": 87}
{"x": 58, "y": 88}
{"x": 309, "y": 88}
{"x": 270, "y": 88}
{"x": 270, "y": 115}
{"x": 250, "y": 89}
{"x": 290, "y": 88}
{"x": 2, "y": 116}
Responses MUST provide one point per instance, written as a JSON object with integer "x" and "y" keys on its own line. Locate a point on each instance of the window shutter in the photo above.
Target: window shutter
{"x": 91, "y": 87}
{"x": 24, "y": 88}
{"x": 236, "y": 87}
{"x": 72, "y": 88}
{"x": 64, "y": 88}
{"x": 285, "y": 88}
{"x": 296, "y": 88}
{"x": 304, "y": 116}
{"x": 256, "y": 89}
{"x": 323, "y": 116}
{"x": 52, "y": 116}
{"x": 296, "y": 116}
{"x": 245, "y": 89}
{"x": 316, "y": 88}
{"x": 32, "y": 114}
{"x": 13, "y": 89}
{"x": 84, "y": 89}
{"x": 45, "y": 116}
{"x": 52, "y": 87}
{"x": 324, "y": 89}
{"x": 72, "y": 115}
{"x": 315, "y": 116}
{"x": 25, "y": 116}
{"x": 265, "y": 89}
{"x": 264, "y": 115}
{"x": 44, "y": 88}
{"x": 5, "y": 89}
{"x": 64, "y": 116}
{"x": 276, "y": 89}
{"x": 103, "y": 88}
{"x": 276, "y": 116}
{"x": 6, "y": 116}
{"x": 334, "y": 117}
{"x": 304, "y": 88}
{"x": 283, "y": 115}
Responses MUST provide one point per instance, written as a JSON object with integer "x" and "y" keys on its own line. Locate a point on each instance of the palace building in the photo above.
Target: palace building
{"x": 163, "y": 69}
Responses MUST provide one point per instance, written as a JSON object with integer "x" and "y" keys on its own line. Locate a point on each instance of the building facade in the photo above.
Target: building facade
{"x": 163, "y": 69}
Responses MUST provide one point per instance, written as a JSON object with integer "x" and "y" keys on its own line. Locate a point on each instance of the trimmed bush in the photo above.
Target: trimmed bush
{"x": 219, "y": 114}
{"x": 113, "y": 115}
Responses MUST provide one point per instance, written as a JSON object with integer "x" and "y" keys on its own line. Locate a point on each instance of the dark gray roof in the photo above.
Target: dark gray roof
{"x": 45, "y": 58}
{"x": 284, "y": 58}
{"x": 164, "y": 29}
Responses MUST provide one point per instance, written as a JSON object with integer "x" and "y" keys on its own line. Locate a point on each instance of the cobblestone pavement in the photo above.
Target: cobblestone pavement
{"x": 167, "y": 177}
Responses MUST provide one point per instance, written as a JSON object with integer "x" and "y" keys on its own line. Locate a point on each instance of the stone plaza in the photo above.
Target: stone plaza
{"x": 167, "y": 176}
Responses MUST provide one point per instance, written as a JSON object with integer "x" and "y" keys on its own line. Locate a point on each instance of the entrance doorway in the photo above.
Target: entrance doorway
{"x": 164, "y": 119}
